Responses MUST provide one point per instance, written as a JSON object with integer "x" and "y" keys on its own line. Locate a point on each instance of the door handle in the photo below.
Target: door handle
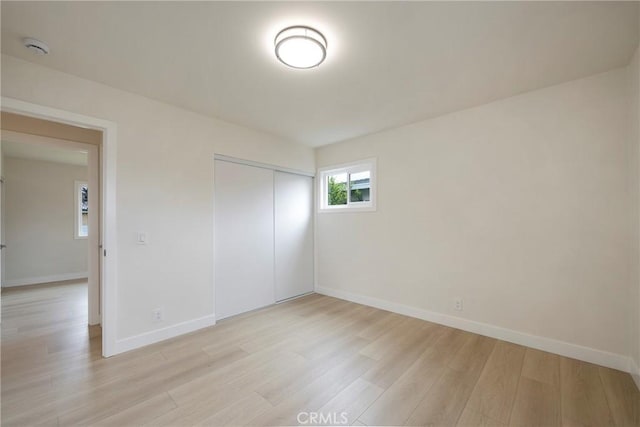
{"x": 2, "y": 246}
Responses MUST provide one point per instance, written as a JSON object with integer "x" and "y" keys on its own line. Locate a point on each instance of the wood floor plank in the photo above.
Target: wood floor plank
{"x": 141, "y": 413}
{"x": 27, "y": 389}
{"x": 317, "y": 393}
{"x": 496, "y": 388}
{"x": 401, "y": 357}
{"x": 473, "y": 355}
{"x": 385, "y": 344}
{"x": 536, "y": 404}
{"x": 253, "y": 371}
{"x": 113, "y": 398}
{"x": 542, "y": 366}
{"x": 474, "y": 418}
{"x": 199, "y": 410}
{"x": 240, "y": 413}
{"x": 380, "y": 325}
{"x": 351, "y": 402}
{"x": 623, "y": 397}
{"x": 205, "y": 397}
{"x": 398, "y": 402}
{"x": 283, "y": 386}
{"x": 584, "y": 402}
{"x": 445, "y": 401}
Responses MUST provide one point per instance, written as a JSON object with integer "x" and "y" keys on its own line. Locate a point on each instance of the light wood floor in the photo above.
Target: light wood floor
{"x": 313, "y": 354}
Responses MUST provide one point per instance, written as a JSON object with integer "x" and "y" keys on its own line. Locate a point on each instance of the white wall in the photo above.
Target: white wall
{"x": 39, "y": 222}
{"x": 521, "y": 207}
{"x": 164, "y": 188}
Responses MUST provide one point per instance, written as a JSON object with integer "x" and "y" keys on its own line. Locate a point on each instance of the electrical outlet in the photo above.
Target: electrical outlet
{"x": 457, "y": 304}
{"x": 158, "y": 315}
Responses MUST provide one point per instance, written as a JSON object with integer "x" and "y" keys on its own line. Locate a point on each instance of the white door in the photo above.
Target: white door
{"x": 244, "y": 250}
{"x": 94, "y": 234}
{"x": 2, "y": 247}
{"x": 293, "y": 235}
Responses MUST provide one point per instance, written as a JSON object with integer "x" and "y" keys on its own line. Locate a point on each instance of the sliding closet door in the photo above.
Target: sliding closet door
{"x": 293, "y": 235}
{"x": 244, "y": 249}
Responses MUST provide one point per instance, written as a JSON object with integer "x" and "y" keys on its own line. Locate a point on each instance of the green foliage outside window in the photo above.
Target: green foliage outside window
{"x": 356, "y": 196}
{"x": 337, "y": 192}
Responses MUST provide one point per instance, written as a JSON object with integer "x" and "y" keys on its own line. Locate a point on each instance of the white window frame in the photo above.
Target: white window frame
{"x": 348, "y": 168}
{"x": 77, "y": 207}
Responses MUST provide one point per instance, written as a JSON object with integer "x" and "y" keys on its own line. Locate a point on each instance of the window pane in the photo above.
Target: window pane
{"x": 84, "y": 211}
{"x": 337, "y": 189}
{"x": 360, "y": 187}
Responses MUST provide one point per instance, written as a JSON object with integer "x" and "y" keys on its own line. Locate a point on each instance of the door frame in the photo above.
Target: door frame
{"x": 108, "y": 149}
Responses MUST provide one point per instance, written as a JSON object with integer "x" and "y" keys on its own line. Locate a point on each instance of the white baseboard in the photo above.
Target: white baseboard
{"x": 44, "y": 279}
{"x": 634, "y": 370}
{"x": 587, "y": 354}
{"x": 158, "y": 335}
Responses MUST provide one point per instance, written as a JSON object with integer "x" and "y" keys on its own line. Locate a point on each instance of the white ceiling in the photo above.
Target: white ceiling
{"x": 44, "y": 153}
{"x": 388, "y": 63}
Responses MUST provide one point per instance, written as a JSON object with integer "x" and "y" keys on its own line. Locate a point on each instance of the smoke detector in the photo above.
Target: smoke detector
{"x": 36, "y": 46}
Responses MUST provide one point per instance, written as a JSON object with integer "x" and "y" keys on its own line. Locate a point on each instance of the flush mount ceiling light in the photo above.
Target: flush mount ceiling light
{"x": 300, "y": 47}
{"x": 36, "y": 46}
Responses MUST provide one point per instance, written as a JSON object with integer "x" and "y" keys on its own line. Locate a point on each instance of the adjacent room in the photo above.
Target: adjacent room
{"x": 320, "y": 213}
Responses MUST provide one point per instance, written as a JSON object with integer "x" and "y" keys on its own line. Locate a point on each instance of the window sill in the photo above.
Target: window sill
{"x": 348, "y": 209}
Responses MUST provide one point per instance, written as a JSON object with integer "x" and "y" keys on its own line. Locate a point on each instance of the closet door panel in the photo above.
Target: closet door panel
{"x": 244, "y": 238}
{"x": 293, "y": 235}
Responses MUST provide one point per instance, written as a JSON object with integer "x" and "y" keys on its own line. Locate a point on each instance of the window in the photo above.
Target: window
{"x": 349, "y": 187}
{"x": 81, "y": 205}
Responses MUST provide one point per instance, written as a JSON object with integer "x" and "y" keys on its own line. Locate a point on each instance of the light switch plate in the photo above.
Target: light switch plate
{"x": 141, "y": 238}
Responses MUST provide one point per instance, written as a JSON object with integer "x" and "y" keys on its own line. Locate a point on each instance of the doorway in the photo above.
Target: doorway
{"x": 51, "y": 227}
{"x": 101, "y": 307}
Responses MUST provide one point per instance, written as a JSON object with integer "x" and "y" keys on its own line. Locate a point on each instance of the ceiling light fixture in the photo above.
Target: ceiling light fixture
{"x": 300, "y": 47}
{"x": 36, "y": 46}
